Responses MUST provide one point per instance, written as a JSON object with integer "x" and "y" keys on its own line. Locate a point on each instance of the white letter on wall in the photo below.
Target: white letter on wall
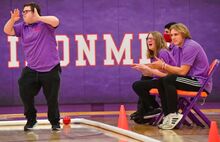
{"x": 142, "y": 38}
{"x": 13, "y": 62}
{"x": 87, "y": 48}
{"x": 111, "y": 49}
{"x": 66, "y": 49}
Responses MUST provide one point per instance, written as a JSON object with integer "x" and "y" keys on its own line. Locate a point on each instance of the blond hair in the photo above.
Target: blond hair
{"x": 181, "y": 28}
{"x": 160, "y": 43}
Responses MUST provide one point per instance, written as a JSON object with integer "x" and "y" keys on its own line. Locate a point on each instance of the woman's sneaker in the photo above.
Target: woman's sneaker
{"x": 133, "y": 115}
{"x": 137, "y": 114}
{"x": 152, "y": 113}
{"x": 171, "y": 121}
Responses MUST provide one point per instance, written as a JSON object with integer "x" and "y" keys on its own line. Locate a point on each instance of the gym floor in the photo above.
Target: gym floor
{"x": 107, "y": 114}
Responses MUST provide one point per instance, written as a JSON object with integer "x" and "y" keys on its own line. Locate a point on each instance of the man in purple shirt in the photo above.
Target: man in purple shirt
{"x": 192, "y": 68}
{"x": 43, "y": 69}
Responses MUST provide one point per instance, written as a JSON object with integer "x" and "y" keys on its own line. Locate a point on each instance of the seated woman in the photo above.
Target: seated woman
{"x": 190, "y": 72}
{"x": 147, "y": 106}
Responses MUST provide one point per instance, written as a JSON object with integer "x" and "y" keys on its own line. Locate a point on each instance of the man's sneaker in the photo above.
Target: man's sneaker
{"x": 30, "y": 125}
{"x": 152, "y": 113}
{"x": 165, "y": 121}
{"x": 171, "y": 121}
{"x": 56, "y": 127}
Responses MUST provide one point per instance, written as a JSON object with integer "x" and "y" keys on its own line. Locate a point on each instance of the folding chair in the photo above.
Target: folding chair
{"x": 187, "y": 102}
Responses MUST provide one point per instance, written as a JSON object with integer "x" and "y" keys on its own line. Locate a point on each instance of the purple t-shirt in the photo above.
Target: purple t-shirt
{"x": 166, "y": 56}
{"x": 39, "y": 45}
{"x": 192, "y": 54}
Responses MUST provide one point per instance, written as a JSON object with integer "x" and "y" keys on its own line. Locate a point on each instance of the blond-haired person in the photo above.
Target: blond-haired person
{"x": 192, "y": 68}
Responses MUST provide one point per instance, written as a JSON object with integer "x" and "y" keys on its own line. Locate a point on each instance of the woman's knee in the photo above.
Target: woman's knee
{"x": 137, "y": 85}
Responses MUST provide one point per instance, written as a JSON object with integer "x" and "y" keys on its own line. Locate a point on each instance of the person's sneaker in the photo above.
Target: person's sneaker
{"x": 152, "y": 113}
{"x": 135, "y": 115}
{"x": 165, "y": 121}
{"x": 30, "y": 125}
{"x": 56, "y": 127}
{"x": 141, "y": 120}
{"x": 172, "y": 120}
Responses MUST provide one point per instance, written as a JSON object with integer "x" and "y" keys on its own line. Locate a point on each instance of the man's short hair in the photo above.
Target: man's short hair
{"x": 168, "y": 25}
{"x": 33, "y": 5}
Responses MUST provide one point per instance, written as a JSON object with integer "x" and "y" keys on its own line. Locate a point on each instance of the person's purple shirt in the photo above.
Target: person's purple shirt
{"x": 39, "y": 45}
{"x": 192, "y": 54}
{"x": 166, "y": 56}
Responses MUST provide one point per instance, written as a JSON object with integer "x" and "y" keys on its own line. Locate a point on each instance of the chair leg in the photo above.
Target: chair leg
{"x": 187, "y": 110}
{"x": 158, "y": 119}
{"x": 195, "y": 119}
{"x": 182, "y": 107}
{"x": 152, "y": 121}
{"x": 191, "y": 116}
{"x": 202, "y": 115}
{"x": 185, "y": 104}
{"x": 187, "y": 123}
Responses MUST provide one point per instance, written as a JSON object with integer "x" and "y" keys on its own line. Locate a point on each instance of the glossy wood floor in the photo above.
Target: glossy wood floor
{"x": 185, "y": 134}
{"x": 80, "y": 133}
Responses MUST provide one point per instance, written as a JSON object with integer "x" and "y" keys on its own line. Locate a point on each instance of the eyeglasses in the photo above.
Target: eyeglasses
{"x": 150, "y": 38}
{"x": 26, "y": 11}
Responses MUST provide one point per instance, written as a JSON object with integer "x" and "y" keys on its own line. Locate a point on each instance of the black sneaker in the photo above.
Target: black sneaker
{"x": 137, "y": 114}
{"x": 30, "y": 125}
{"x": 141, "y": 120}
{"x": 133, "y": 115}
{"x": 152, "y": 113}
{"x": 56, "y": 127}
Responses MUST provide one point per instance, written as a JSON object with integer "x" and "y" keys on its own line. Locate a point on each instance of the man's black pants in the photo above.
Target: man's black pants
{"x": 30, "y": 83}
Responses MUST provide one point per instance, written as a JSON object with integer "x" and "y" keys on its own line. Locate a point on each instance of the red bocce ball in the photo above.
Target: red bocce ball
{"x": 66, "y": 120}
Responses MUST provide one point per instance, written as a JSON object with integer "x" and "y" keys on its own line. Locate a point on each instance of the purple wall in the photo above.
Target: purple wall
{"x": 97, "y": 81}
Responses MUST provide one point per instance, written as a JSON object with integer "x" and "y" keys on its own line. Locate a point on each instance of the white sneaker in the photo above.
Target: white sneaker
{"x": 172, "y": 120}
{"x": 165, "y": 121}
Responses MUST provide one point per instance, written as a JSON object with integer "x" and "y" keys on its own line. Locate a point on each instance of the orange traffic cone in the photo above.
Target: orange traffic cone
{"x": 122, "y": 120}
{"x": 213, "y": 132}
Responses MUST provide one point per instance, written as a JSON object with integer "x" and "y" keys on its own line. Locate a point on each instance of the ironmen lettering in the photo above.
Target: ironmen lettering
{"x": 86, "y": 50}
